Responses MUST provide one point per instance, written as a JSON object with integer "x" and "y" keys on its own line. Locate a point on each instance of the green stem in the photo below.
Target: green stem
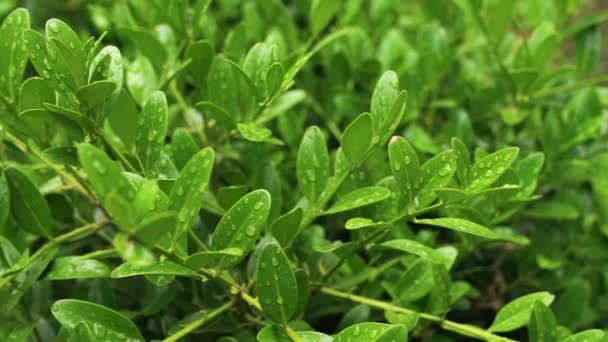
{"x": 463, "y": 329}
{"x": 568, "y": 87}
{"x": 190, "y": 327}
{"x": 103, "y": 253}
{"x": 84, "y": 230}
{"x": 120, "y": 156}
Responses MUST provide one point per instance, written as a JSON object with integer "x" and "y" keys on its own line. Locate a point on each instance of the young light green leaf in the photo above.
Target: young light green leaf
{"x": 405, "y": 166}
{"x": 187, "y": 193}
{"x": 211, "y": 259}
{"x": 312, "y": 164}
{"x": 487, "y": 170}
{"x": 274, "y": 79}
{"x": 285, "y": 228}
{"x": 254, "y": 132}
{"x": 321, "y": 13}
{"x": 113, "y": 189}
{"x": 151, "y": 132}
{"x": 362, "y": 222}
{"x": 241, "y": 226}
{"x": 435, "y": 173}
{"x": 27, "y": 205}
{"x": 409, "y": 320}
{"x": 450, "y": 196}
{"x": 385, "y": 94}
{"x": 13, "y": 59}
{"x": 106, "y": 322}
{"x": 415, "y": 247}
{"x": 517, "y": 312}
{"x": 158, "y": 268}
{"x": 95, "y": 93}
{"x": 276, "y": 285}
{"x": 74, "y": 267}
{"x": 81, "y": 333}
{"x": 591, "y": 335}
{"x": 259, "y": 58}
{"x": 371, "y": 331}
{"x": 359, "y": 198}
{"x": 357, "y": 139}
{"x": 460, "y": 225}
{"x": 131, "y": 251}
{"x": 393, "y": 118}
{"x": 107, "y": 65}
{"x": 142, "y": 79}
{"x": 542, "y": 326}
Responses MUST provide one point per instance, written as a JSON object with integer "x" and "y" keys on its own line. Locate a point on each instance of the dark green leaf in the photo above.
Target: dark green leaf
{"x": 14, "y": 56}
{"x": 357, "y": 139}
{"x": 151, "y": 132}
{"x": 95, "y": 93}
{"x": 276, "y": 284}
{"x": 313, "y": 164}
{"x": 542, "y": 326}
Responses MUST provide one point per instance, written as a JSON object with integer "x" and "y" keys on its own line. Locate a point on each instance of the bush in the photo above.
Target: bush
{"x": 309, "y": 170}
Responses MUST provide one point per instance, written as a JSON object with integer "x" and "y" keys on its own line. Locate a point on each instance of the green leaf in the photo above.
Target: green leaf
{"x": 67, "y": 155}
{"x": 113, "y": 189}
{"x": 361, "y": 222}
{"x": 107, "y": 65}
{"x": 188, "y": 191}
{"x": 591, "y": 335}
{"x": 487, "y": 170}
{"x": 259, "y": 58}
{"x": 439, "y": 300}
{"x": 409, "y": 320}
{"x": 393, "y": 118}
{"x": 28, "y": 207}
{"x": 274, "y": 79}
{"x": 5, "y": 200}
{"x": 463, "y": 160}
{"x": 359, "y": 198}
{"x": 81, "y": 333}
{"x": 517, "y": 312}
{"x": 285, "y": 228}
{"x": 254, "y": 132}
{"x": 201, "y": 54}
{"x": 74, "y": 267}
{"x": 131, "y": 251}
{"x": 34, "y": 93}
{"x": 184, "y": 146}
{"x": 460, "y": 225}
{"x": 241, "y": 226}
{"x": 12, "y": 291}
{"x": 542, "y": 326}
{"x": 148, "y": 45}
{"x": 384, "y": 96}
{"x": 276, "y": 284}
{"x": 13, "y": 59}
{"x": 312, "y": 164}
{"x": 405, "y": 166}
{"x": 434, "y": 174}
{"x": 151, "y": 132}
{"x": 95, "y": 93}
{"x": 211, "y": 259}
{"x": 65, "y": 43}
{"x": 357, "y": 139}
{"x": 415, "y": 282}
{"x": 38, "y": 54}
{"x": 158, "y": 268}
{"x": 151, "y": 229}
{"x": 142, "y": 79}
{"x": 231, "y": 89}
{"x": 107, "y": 323}
{"x": 415, "y": 247}
{"x": 450, "y": 196}
{"x": 371, "y": 331}
{"x": 321, "y": 13}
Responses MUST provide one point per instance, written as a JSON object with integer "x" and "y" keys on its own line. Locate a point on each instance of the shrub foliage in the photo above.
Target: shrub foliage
{"x": 306, "y": 170}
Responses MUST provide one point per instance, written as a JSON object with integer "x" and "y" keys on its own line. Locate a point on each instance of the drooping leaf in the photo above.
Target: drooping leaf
{"x": 517, "y": 312}
{"x": 107, "y": 322}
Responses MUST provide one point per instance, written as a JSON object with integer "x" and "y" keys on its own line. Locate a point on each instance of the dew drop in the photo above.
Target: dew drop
{"x": 258, "y": 206}
{"x": 396, "y": 166}
{"x": 275, "y": 262}
{"x": 46, "y": 74}
{"x": 250, "y": 231}
{"x": 263, "y": 265}
{"x": 279, "y": 300}
{"x": 53, "y": 27}
{"x": 99, "y": 167}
